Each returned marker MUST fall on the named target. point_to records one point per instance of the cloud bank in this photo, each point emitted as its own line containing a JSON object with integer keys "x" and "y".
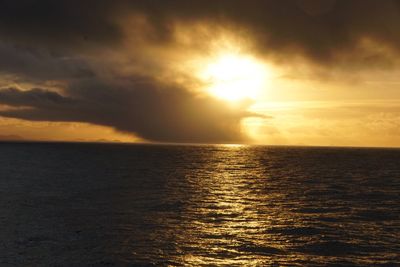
{"x": 153, "y": 112}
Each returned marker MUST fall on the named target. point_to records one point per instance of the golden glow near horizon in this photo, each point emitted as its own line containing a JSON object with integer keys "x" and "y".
{"x": 234, "y": 77}
{"x": 20, "y": 130}
{"x": 301, "y": 105}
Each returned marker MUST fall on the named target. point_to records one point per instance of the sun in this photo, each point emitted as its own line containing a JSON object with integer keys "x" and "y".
{"x": 235, "y": 77}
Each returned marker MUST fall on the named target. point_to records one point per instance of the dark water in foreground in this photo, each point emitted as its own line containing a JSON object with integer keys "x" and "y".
{"x": 137, "y": 205}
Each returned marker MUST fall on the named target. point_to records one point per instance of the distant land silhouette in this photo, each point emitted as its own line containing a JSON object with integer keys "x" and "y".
{"x": 11, "y": 138}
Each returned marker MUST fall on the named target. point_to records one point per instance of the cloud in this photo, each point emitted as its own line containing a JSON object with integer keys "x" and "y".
{"x": 59, "y": 23}
{"x": 154, "y": 112}
{"x": 319, "y": 30}
{"x": 40, "y": 64}
{"x": 323, "y": 31}
{"x": 81, "y": 45}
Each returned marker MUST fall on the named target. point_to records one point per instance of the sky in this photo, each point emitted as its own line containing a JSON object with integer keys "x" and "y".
{"x": 276, "y": 72}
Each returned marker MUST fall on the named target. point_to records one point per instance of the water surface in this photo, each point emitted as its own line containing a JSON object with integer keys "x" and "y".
{"x": 153, "y": 205}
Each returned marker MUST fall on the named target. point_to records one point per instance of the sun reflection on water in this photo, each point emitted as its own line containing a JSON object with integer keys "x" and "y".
{"x": 226, "y": 222}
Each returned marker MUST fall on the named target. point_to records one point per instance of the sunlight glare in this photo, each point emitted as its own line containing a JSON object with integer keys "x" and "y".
{"x": 234, "y": 77}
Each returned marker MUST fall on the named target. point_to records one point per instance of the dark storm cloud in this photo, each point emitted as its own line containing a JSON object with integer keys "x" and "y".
{"x": 318, "y": 29}
{"x": 34, "y": 97}
{"x": 152, "y": 112}
{"x": 40, "y": 64}
{"x": 64, "y": 23}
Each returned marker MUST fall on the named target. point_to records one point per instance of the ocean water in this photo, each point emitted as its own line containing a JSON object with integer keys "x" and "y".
{"x": 151, "y": 205}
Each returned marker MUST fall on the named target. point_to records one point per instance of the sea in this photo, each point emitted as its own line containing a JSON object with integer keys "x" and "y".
{"x": 82, "y": 204}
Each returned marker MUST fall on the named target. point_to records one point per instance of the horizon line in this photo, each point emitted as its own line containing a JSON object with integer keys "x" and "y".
{"x": 105, "y": 142}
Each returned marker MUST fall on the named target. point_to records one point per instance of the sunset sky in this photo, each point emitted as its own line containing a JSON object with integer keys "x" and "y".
{"x": 279, "y": 72}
